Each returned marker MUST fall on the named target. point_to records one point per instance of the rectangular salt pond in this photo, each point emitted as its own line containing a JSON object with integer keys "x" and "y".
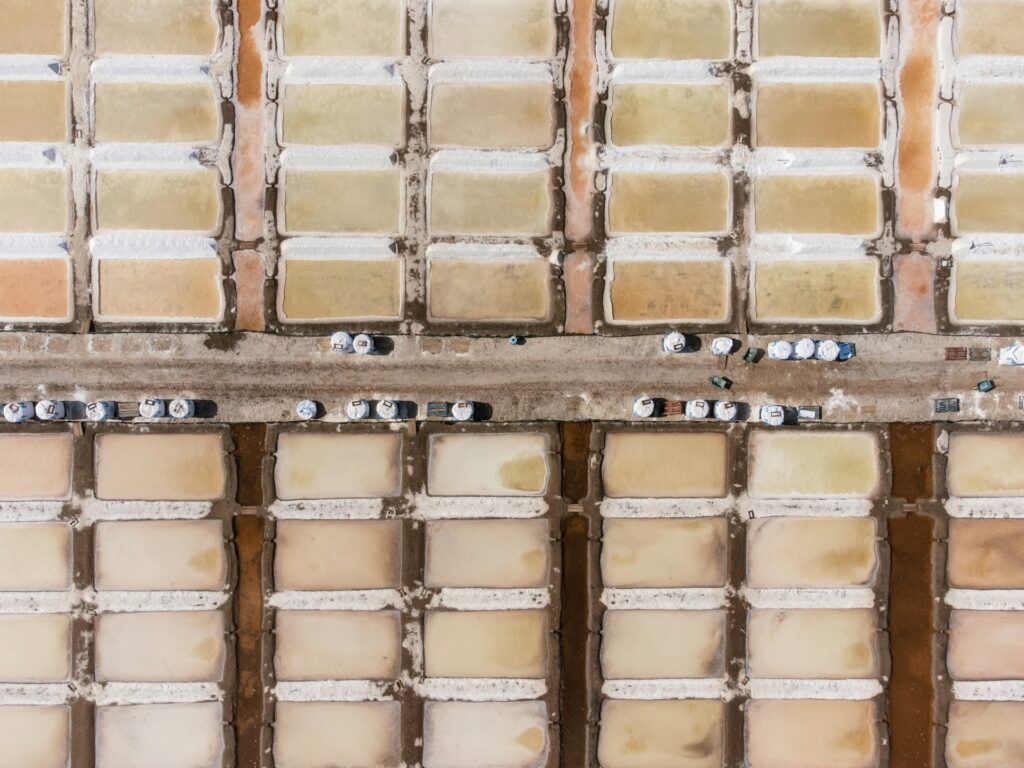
{"x": 314, "y": 465}
{"x": 990, "y": 28}
{"x": 852, "y": 28}
{"x": 34, "y": 110}
{"x": 646, "y": 645}
{"x": 459, "y": 734}
{"x": 832, "y": 115}
{"x": 160, "y": 735}
{"x": 810, "y": 734}
{"x": 829, "y": 290}
{"x": 984, "y": 202}
{"x": 498, "y": 202}
{"x": 160, "y": 289}
{"x": 160, "y": 555}
{"x": 497, "y": 290}
{"x": 491, "y": 28}
{"x": 337, "y": 554}
{"x": 35, "y": 557}
{"x": 985, "y": 464}
{"x": 184, "y": 466}
{"x": 986, "y": 645}
{"x": 158, "y": 199}
{"x": 813, "y": 464}
{"x": 34, "y": 736}
{"x": 986, "y": 291}
{"x": 991, "y": 114}
{"x": 351, "y": 202}
{"x": 985, "y": 734}
{"x": 343, "y": 28}
{"x": 33, "y": 200}
{"x": 485, "y": 644}
{"x": 337, "y": 645}
{"x": 344, "y": 113}
{"x": 671, "y": 29}
{"x": 985, "y": 554}
{"x": 657, "y": 291}
{"x": 492, "y": 115}
{"x": 35, "y": 27}
{"x": 183, "y": 27}
{"x": 513, "y": 464}
{"x": 667, "y": 734}
{"x": 667, "y": 553}
{"x": 665, "y": 465}
{"x": 496, "y": 554}
{"x": 35, "y": 466}
{"x": 160, "y": 647}
{"x": 47, "y": 296}
{"x": 320, "y": 733}
{"x": 793, "y": 552}
{"x": 666, "y": 203}
{"x": 671, "y": 114}
{"x": 156, "y": 112}
{"x": 812, "y": 644}
{"x": 847, "y": 204}
{"x": 318, "y": 290}
{"x": 35, "y": 648}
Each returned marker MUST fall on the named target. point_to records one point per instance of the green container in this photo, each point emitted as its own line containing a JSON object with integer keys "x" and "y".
{"x": 986, "y": 386}
{"x": 721, "y": 382}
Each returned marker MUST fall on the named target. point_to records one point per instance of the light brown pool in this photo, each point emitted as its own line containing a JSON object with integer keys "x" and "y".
{"x": 163, "y": 199}
{"x": 160, "y": 467}
{"x": 35, "y": 466}
{"x": 365, "y": 202}
{"x": 664, "y": 290}
{"x": 827, "y": 290}
{"x": 353, "y": 28}
{"x": 985, "y": 464}
{"x": 344, "y": 113}
{"x": 333, "y": 732}
{"x": 664, "y": 464}
{"x": 155, "y": 26}
{"x": 671, "y": 114}
{"x": 335, "y": 466}
{"x": 819, "y": 28}
{"x": 492, "y": 29}
{"x": 488, "y": 465}
{"x": 987, "y": 291}
{"x": 794, "y": 464}
{"x": 490, "y": 290}
{"x": 671, "y": 29}
{"x": 847, "y": 204}
{"x": 163, "y": 289}
{"x": 669, "y": 203}
{"x": 337, "y": 289}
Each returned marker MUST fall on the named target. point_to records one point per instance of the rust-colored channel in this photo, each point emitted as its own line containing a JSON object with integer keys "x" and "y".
{"x": 574, "y": 705}
{"x": 249, "y": 626}
{"x": 911, "y": 600}
{"x": 249, "y": 440}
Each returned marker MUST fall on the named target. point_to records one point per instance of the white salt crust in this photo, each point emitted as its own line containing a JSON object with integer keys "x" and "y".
{"x": 813, "y": 689}
{"x": 986, "y": 599}
{"x": 353, "y": 600}
{"x": 683, "y": 598}
{"x": 691, "y": 688}
{"x": 809, "y": 598}
{"x": 989, "y": 690}
{"x": 461, "y": 507}
{"x": 472, "y": 599}
{"x": 480, "y": 689}
{"x": 332, "y": 690}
